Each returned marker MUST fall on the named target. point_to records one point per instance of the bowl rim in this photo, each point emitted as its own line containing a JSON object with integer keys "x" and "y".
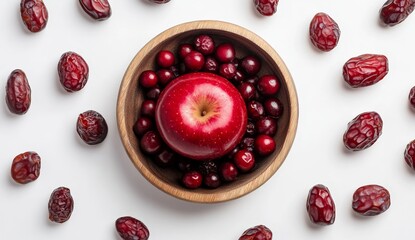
{"x": 213, "y": 197}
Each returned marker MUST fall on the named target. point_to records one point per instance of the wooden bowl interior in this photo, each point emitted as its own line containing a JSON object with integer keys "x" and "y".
{"x": 131, "y": 96}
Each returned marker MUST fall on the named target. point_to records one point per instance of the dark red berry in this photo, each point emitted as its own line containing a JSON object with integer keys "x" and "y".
{"x": 324, "y": 32}
{"x": 26, "y": 167}
{"x": 211, "y": 180}
{"x": 363, "y": 131}
{"x": 238, "y": 78}
{"x": 396, "y": 11}
{"x": 251, "y": 65}
{"x": 148, "y": 79}
{"x": 165, "y": 158}
{"x": 73, "y": 71}
{"x": 259, "y": 232}
{"x": 244, "y": 160}
{"x": 371, "y": 200}
{"x": 165, "y": 76}
{"x": 60, "y": 205}
{"x": 165, "y": 58}
{"x": 266, "y": 7}
{"x": 267, "y": 126}
{"x": 148, "y": 108}
{"x": 320, "y": 205}
{"x": 206, "y": 167}
{"x": 92, "y": 127}
{"x": 192, "y": 179}
{"x": 130, "y": 228}
{"x": 227, "y": 70}
{"x": 151, "y": 142}
{"x": 153, "y": 93}
{"x": 18, "y": 92}
{"x": 264, "y": 145}
{"x": 409, "y": 154}
{"x": 273, "y": 107}
{"x": 194, "y": 61}
{"x": 252, "y": 79}
{"x": 185, "y": 165}
{"x": 142, "y": 125}
{"x": 250, "y": 129}
{"x": 247, "y": 143}
{"x": 228, "y": 171}
{"x": 211, "y": 65}
{"x": 365, "y": 70}
{"x": 247, "y": 91}
{"x": 268, "y": 85}
{"x": 184, "y": 49}
{"x": 411, "y": 97}
{"x": 204, "y": 44}
{"x": 225, "y": 53}
{"x": 34, "y": 14}
{"x": 255, "y": 110}
{"x": 97, "y": 9}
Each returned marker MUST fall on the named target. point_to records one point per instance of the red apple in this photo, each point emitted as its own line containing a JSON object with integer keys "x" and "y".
{"x": 201, "y": 116}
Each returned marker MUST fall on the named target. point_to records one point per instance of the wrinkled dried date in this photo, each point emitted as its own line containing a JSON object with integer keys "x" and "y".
{"x": 266, "y": 7}
{"x": 324, "y": 32}
{"x": 259, "y": 232}
{"x": 92, "y": 127}
{"x": 34, "y": 14}
{"x": 409, "y": 154}
{"x": 363, "y": 131}
{"x": 97, "y": 9}
{"x": 18, "y": 92}
{"x": 395, "y": 11}
{"x": 371, "y": 200}
{"x": 365, "y": 70}
{"x": 26, "y": 167}
{"x": 60, "y": 205}
{"x": 130, "y": 228}
{"x": 320, "y": 205}
{"x": 73, "y": 71}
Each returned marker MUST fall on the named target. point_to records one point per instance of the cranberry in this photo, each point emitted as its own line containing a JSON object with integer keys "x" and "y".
{"x": 266, "y": 125}
{"x": 365, "y": 70}
{"x": 363, "y": 131}
{"x": 324, "y": 32}
{"x": 212, "y": 180}
{"x": 250, "y": 129}
{"x": 247, "y": 91}
{"x": 92, "y": 127}
{"x": 192, "y": 179}
{"x": 371, "y": 200}
{"x": 73, "y": 71}
{"x": 252, "y": 79}
{"x": 211, "y": 65}
{"x": 153, "y": 93}
{"x": 175, "y": 70}
{"x": 165, "y": 58}
{"x": 244, "y": 160}
{"x": 25, "y": 167}
{"x": 18, "y": 92}
{"x": 232, "y": 153}
{"x": 159, "y": 1}
{"x": 411, "y": 97}
{"x": 266, "y": 7}
{"x": 142, "y": 125}
{"x": 148, "y": 108}
{"x": 238, "y": 78}
{"x": 151, "y": 142}
{"x": 268, "y": 85}
{"x": 34, "y": 14}
{"x": 227, "y": 70}
{"x": 264, "y": 145}
{"x": 165, "y": 76}
{"x": 409, "y": 154}
{"x": 165, "y": 158}
{"x": 225, "y": 53}
{"x": 204, "y": 44}
{"x": 247, "y": 143}
{"x": 184, "y": 49}
{"x": 96, "y": 9}
{"x": 255, "y": 109}
{"x": 194, "y": 61}
{"x": 228, "y": 171}
{"x": 260, "y": 232}
{"x": 251, "y": 65}
{"x": 130, "y": 228}
{"x": 185, "y": 165}
{"x": 396, "y": 11}
{"x": 148, "y": 79}
{"x": 320, "y": 205}
{"x": 60, "y": 205}
{"x": 273, "y": 107}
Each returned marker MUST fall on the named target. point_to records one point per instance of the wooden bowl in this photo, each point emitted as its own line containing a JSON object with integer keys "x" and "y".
{"x": 130, "y": 97}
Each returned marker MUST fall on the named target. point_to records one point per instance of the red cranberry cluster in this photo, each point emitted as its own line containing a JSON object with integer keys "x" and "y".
{"x": 259, "y": 92}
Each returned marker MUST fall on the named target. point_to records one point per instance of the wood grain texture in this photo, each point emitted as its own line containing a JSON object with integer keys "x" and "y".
{"x": 130, "y": 97}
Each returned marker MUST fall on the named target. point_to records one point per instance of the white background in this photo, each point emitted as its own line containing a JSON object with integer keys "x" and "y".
{"x": 104, "y": 183}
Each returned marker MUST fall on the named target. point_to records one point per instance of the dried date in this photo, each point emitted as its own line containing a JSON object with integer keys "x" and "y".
{"x": 60, "y": 205}
{"x": 394, "y": 12}
{"x": 363, "y": 131}
{"x": 324, "y": 32}
{"x": 365, "y": 70}
{"x": 320, "y": 205}
{"x": 97, "y": 9}
{"x": 92, "y": 127}
{"x": 26, "y": 167}
{"x": 34, "y": 14}
{"x": 371, "y": 200}
{"x": 18, "y": 92}
{"x": 73, "y": 71}
{"x": 259, "y": 232}
{"x": 130, "y": 228}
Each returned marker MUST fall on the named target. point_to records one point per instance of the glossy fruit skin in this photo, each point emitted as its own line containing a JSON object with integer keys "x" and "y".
{"x": 371, "y": 200}
{"x": 73, "y": 71}
{"x": 264, "y": 145}
{"x": 18, "y": 92}
{"x": 151, "y": 142}
{"x": 142, "y": 125}
{"x": 247, "y": 91}
{"x": 192, "y": 179}
{"x": 411, "y": 97}
{"x": 91, "y": 127}
{"x": 34, "y": 14}
{"x": 165, "y": 59}
{"x": 363, "y": 131}
{"x": 207, "y": 105}
{"x": 26, "y": 167}
{"x": 365, "y": 70}
{"x": 194, "y": 61}
{"x": 244, "y": 160}
{"x": 266, "y": 125}
{"x": 268, "y": 85}
{"x": 273, "y": 107}
{"x": 148, "y": 79}
{"x": 324, "y": 32}
{"x": 227, "y": 70}
{"x": 394, "y": 12}
{"x": 251, "y": 65}
{"x": 60, "y": 205}
{"x": 225, "y": 52}
{"x": 228, "y": 171}
{"x": 212, "y": 180}
{"x": 97, "y": 9}
{"x": 130, "y": 228}
{"x": 320, "y": 205}
{"x": 409, "y": 154}
{"x": 266, "y": 7}
{"x": 259, "y": 232}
